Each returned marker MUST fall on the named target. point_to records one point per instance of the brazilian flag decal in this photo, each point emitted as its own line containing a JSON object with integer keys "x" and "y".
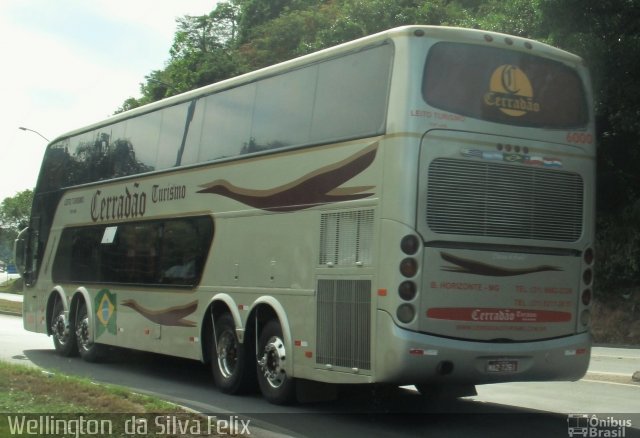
{"x": 106, "y": 311}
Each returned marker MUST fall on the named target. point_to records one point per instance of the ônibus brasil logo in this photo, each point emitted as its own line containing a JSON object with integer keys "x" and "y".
{"x": 592, "y": 426}
{"x": 511, "y": 92}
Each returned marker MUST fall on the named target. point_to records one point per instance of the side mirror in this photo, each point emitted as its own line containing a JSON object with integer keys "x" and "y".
{"x": 20, "y": 251}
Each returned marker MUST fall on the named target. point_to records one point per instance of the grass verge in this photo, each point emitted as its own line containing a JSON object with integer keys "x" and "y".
{"x": 616, "y": 321}
{"x": 11, "y": 307}
{"x": 51, "y": 402}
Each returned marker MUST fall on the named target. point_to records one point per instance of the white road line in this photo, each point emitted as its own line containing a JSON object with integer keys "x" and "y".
{"x": 615, "y": 356}
{"x": 611, "y": 383}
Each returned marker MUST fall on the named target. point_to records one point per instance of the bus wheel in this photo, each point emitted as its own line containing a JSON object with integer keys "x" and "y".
{"x": 88, "y": 350}
{"x": 275, "y": 385}
{"x": 63, "y": 339}
{"x": 230, "y": 369}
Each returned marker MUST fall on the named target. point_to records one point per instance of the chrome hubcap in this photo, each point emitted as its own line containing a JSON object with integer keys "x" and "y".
{"x": 227, "y": 354}
{"x": 60, "y": 328}
{"x": 82, "y": 333}
{"x": 272, "y": 362}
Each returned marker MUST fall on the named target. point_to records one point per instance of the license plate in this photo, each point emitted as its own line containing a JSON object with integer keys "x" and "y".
{"x": 502, "y": 366}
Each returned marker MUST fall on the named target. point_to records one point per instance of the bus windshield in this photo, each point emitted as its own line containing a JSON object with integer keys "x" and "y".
{"x": 504, "y": 86}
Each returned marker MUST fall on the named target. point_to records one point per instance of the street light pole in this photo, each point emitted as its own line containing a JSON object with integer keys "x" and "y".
{"x": 34, "y": 131}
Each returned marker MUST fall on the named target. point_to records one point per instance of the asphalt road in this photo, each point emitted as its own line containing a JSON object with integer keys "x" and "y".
{"x": 515, "y": 409}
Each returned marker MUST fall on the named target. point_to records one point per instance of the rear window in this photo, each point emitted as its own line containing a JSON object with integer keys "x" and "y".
{"x": 503, "y": 86}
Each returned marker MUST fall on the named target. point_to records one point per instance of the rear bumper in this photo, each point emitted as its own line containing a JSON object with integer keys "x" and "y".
{"x": 405, "y": 357}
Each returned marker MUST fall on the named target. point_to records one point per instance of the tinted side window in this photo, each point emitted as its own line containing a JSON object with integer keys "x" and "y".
{"x": 351, "y": 95}
{"x": 226, "y": 128}
{"x": 341, "y": 98}
{"x": 282, "y": 115}
{"x": 145, "y": 253}
{"x": 173, "y": 123}
{"x": 143, "y": 135}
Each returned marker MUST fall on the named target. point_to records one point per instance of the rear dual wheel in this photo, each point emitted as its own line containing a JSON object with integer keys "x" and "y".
{"x": 232, "y": 365}
{"x": 276, "y": 386}
{"x": 64, "y": 339}
{"x": 89, "y": 350}
{"x": 71, "y": 335}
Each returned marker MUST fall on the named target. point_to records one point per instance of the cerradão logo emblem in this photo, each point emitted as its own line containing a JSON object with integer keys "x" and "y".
{"x": 105, "y": 305}
{"x": 511, "y": 92}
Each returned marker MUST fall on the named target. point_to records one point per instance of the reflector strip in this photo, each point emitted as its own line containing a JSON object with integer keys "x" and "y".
{"x": 421, "y": 352}
{"x": 497, "y": 315}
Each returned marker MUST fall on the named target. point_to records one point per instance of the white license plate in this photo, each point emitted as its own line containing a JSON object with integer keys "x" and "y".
{"x": 502, "y": 366}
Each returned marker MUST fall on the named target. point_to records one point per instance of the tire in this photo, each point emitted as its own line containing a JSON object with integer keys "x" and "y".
{"x": 276, "y": 386}
{"x": 88, "y": 350}
{"x": 64, "y": 340}
{"x": 232, "y": 369}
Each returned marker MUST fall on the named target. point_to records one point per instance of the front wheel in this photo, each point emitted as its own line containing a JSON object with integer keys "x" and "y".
{"x": 64, "y": 340}
{"x": 276, "y": 386}
{"x": 89, "y": 351}
{"x": 233, "y": 371}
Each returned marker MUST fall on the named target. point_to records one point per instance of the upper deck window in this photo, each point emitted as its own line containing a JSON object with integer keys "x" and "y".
{"x": 335, "y": 99}
{"x": 504, "y": 86}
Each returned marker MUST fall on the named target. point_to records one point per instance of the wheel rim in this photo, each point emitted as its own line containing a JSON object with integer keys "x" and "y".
{"x": 227, "y": 354}
{"x": 272, "y": 362}
{"x": 82, "y": 332}
{"x": 60, "y": 328}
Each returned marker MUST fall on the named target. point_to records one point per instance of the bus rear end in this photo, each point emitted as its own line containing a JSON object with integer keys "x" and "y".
{"x": 502, "y": 281}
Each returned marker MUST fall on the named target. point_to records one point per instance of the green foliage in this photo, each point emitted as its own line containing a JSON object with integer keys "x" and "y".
{"x": 516, "y": 17}
{"x": 606, "y": 33}
{"x": 243, "y": 35}
{"x": 619, "y": 248}
{"x": 14, "y": 211}
{"x": 14, "y": 216}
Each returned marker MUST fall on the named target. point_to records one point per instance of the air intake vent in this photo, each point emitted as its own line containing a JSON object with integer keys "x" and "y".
{"x": 501, "y": 200}
{"x": 346, "y": 238}
{"x": 344, "y": 323}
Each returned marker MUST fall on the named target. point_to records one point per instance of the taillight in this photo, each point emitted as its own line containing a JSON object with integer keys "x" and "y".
{"x": 408, "y": 267}
{"x": 589, "y": 256}
{"x": 587, "y": 276}
{"x": 406, "y": 313}
{"x": 407, "y": 290}
{"x": 409, "y": 244}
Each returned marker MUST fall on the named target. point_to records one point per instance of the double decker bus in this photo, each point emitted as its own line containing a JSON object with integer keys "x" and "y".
{"x": 414, "y": 208}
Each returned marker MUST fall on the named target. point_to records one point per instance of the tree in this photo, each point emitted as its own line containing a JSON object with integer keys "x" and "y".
{"x": 201, "y": 54}
{"x": 15, "y": 211}
{"x": 606, "y": 33}
{"x": 14, "y": 216}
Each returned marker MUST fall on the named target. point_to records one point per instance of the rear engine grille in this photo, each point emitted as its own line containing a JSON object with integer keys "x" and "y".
{"x": 344, "y": 323}
{"x": 346, "y": 238}
{"x": 501, "y": 200}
